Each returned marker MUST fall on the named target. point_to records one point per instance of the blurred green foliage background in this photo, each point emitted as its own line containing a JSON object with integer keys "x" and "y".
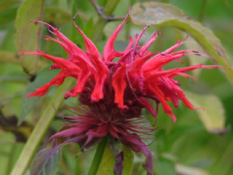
{"x": 199, "y": 143}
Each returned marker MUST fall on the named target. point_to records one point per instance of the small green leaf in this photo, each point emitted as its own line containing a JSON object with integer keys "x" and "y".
{"x": 28, "y": 33}
{"x": 107, "y": 163}
{"x": 45, "y": 162}
{"x": 128, "y": 160}
{"x": 162, "y": 14}
{"x": 28, "y": 104}
{"x": 212, "y": 115}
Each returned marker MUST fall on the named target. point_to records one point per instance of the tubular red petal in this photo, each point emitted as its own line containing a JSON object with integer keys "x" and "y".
{"x": 145, "y": 47}
{"x": 90, "y": 46}
{"x": 119, "y": 85}
{"x": 179, "y": 91}
{"x": 148, "y": 106}
{"x": 109, "y": 50}
{"x": 138, "y": 63}
{"x": 82, "y": 79}
{"x": 97, "y": 93}
{"x": 171, "y": 49}
{"x": 48, "y": 25}
{"x": 131, "y": 41}
{"x": 59, "y": 61}
{"x": 64, "y": 46}
{"x": 100, "y": 77}
{"x": 167, "y": 109}
{"x": 58, "y": 80}
{"x": 137, "y": 41}
{"x": 74, "y": 50}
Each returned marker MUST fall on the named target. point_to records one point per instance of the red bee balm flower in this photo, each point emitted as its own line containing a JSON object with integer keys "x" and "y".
{"x": 115, "y": 93}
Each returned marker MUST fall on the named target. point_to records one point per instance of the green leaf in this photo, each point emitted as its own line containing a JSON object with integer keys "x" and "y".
{"x": 40, "y": 129}
{"x": 28, "y": 104}
{"x": 212, "y": 115}
{"x": 28, "y": 33}
{"x": 162, "y": 14}
{"x": 107, "y": 163}
{"x": 128, "y": 160}
{"x": 45, "y": 162}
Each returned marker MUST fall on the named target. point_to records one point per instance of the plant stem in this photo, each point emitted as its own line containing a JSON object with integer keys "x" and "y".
{"x": 129, "y": 24}
{"x": 108, "y": 10}
{"x": 40, "y": 130}
{"x": 98, "y": 156}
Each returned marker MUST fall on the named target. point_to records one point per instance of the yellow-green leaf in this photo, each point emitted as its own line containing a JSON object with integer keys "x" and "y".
{"x": 128, "y": 160}
{"x": 107, "y": 163}
{"x": 162, "y": 14}
{"x": 212, "y": 115}
{"x": 28, "y": 33}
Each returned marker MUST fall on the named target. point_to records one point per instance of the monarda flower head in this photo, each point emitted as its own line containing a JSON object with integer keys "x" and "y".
{"x": 113, "y": 93}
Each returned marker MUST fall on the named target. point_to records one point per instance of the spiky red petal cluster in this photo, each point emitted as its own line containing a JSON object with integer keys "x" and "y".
{"x": 117, "y": 91}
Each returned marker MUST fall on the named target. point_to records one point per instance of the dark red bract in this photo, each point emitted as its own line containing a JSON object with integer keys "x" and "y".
{"x": 114, "y": 93}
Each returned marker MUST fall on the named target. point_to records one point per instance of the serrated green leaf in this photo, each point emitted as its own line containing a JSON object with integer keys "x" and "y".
{"x": 212, "y": 115}
{"x": 28, "y": 33}
{"x": 128, "y": 160}
{"x": 45, "y": 162}
{"x": 162, "y": 14}
{"x": 28, "y": 104}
